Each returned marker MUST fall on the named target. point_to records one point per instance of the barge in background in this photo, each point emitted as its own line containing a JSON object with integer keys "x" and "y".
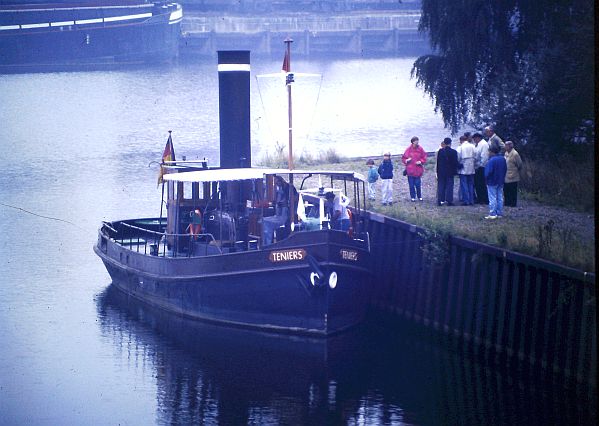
{"x": 83, "y": 35}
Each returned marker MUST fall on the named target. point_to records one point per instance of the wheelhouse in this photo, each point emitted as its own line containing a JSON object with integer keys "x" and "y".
{"x": 252, "y": 208}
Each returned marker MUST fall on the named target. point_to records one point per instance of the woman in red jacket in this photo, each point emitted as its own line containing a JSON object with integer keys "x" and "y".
{"x": 414, "y": 159}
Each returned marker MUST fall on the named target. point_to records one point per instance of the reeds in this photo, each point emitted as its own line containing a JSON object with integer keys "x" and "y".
{"x": 280, "y": 158}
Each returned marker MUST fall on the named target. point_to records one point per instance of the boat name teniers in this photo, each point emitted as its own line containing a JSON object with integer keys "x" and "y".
{"x": 287, "y": 255}
{"x": 349, "y": 255}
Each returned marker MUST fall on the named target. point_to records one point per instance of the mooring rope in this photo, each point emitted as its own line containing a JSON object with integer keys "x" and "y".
{"x": 40, "y": 215}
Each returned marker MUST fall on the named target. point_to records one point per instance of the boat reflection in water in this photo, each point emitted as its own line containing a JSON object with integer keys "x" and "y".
{"x": 372, "y": 374}
{"x": 206, "y": 372}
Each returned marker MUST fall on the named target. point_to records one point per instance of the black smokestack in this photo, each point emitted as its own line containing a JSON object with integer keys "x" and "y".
{"x": 234, "y": 108}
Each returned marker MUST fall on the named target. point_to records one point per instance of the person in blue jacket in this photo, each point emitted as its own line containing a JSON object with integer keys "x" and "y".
{"x": 373, "y": 176}
{"x": 386, "y": 174}
{"x": 495, "y": 172}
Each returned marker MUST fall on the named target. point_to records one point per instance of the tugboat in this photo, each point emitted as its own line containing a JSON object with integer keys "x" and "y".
{"x": 38, "y": 35}
{"x": 244, "y": 246}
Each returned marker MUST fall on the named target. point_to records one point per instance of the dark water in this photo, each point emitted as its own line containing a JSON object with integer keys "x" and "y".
{"x": 76, "y": 149}
{"x": 375, "y": 374}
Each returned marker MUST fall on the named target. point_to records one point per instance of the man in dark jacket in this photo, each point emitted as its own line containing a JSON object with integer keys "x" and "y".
{"x": 447, "y": 168}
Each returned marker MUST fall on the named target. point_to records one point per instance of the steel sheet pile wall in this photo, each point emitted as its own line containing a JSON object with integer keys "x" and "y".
{"x": 507, "y": 306}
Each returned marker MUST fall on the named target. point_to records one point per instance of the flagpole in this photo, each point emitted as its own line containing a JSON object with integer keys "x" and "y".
{"x": 169, "y": 152}
{"x": 161, "y": 203}
{"x": 288, "y": 81}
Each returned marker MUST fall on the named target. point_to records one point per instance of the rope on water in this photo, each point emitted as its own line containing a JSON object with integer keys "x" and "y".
{"x": 40, "y": 215}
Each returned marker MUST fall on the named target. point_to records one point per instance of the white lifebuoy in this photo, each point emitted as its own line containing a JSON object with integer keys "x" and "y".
{"x": 333, "y": 280}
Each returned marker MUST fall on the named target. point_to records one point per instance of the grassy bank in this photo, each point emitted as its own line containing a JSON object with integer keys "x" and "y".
{"x": 567, "y": 181}
{"x": 538, "y": 226}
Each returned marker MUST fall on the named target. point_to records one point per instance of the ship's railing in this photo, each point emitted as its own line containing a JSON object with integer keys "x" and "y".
{"x": 156, "y": 243}
{"x": 161, "y": 244}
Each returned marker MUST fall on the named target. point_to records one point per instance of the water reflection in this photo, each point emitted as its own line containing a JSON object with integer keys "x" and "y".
{"x": 207, "y": 374}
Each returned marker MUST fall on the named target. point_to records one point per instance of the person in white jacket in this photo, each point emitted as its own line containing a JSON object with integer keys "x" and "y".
{"x": 466, "y": 170}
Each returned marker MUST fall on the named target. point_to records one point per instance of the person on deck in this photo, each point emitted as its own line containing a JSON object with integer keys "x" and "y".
{"x": 338, "y": 211}
{"x": 195, "y": 225}
{"x": 447, "y": 168}
{"x": 281, "y": 216}
{"x": 414, "y": 158}
{"x": 386, "y": 173}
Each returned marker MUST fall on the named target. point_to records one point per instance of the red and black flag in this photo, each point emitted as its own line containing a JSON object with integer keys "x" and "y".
{"x": 286, "y": 66}
{"x": 167, "y": 155}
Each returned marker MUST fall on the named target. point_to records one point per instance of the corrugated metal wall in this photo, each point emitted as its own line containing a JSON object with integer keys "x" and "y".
{"x": 509, "y": 307}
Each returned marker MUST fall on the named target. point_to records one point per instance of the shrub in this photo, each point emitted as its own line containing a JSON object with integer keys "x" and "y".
{"x": 331, "y": 156}
{"x": 565, "y": 181}
{"x": 278, "y": 158}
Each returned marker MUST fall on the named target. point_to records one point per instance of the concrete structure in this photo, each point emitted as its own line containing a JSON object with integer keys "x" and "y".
{"x": 349, "y": 34}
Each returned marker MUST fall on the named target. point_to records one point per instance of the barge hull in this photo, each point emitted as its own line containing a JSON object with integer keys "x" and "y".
{"x": 56, "y": 41}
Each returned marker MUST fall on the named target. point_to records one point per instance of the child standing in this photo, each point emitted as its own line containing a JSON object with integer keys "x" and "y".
{"x": 386, "y": 173}
{"x": 373, "y": 176}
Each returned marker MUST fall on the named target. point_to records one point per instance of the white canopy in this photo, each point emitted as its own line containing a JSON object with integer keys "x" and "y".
{"x": 222, "y": 175}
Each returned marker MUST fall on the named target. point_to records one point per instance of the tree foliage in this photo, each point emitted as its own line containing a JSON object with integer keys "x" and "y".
{"x": 526, "y": 66}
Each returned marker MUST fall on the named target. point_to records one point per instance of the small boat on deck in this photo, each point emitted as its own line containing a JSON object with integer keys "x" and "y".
{"x": 282, "y": 250}
{"x": 248, "y": 265}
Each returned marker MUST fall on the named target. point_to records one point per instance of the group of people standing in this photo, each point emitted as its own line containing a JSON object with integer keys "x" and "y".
{"x": 488, "y": 171}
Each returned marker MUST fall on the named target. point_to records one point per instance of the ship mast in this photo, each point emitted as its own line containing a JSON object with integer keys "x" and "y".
{"x": 288, "y": 81}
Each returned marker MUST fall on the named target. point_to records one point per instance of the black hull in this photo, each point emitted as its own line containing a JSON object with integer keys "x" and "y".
{"x": 154, "y": 37}
{"x": 247, "y": 289}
